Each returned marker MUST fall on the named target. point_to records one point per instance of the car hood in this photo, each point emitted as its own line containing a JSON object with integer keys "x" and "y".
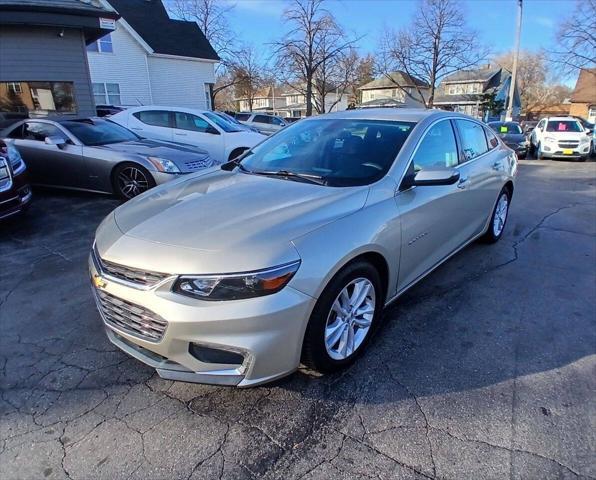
{"x": 247, "y": 138}
{"x": 225, "y": 221}
{"x": 156, "y": 148}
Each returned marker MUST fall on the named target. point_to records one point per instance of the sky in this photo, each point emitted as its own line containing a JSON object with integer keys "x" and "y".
{"x": 259, "y": 21}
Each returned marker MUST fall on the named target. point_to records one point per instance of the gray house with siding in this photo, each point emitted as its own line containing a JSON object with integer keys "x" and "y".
{"x": 43, "y": 59}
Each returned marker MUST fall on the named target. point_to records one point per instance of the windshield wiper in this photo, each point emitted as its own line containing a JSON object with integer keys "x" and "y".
{"x": 316, "y": 179}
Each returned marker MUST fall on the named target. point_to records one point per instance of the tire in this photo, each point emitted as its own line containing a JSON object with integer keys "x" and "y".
{"x": 532, "y": 148}
{"x": 497, "y": 223}
{"x": 124, "y": 174}
{"x": 539, "y": 154}
{"x": 316, "y": 353}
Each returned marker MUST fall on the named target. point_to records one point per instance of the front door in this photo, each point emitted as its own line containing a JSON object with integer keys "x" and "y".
{"x": 433, "y": 218}
{"x": 194, "y": 130}
{"x": 62, "y": 166}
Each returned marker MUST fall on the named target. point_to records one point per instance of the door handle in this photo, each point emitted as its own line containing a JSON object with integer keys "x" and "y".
{"x": 463, "y": 182}
{"x": 136, "y": 128}
{"x": 180, "y": 134}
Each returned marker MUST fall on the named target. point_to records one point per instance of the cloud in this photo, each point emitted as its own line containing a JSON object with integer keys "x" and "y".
{"x": 265, "y": 7}
{"x": 544, "y": 21}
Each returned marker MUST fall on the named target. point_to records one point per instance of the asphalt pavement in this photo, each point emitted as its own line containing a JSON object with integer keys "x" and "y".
{"x": 484, "y": 370}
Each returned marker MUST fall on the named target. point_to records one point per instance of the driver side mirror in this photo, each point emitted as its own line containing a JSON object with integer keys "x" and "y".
{"x": 57, "y": 141}
{"x": 431, "y": 177}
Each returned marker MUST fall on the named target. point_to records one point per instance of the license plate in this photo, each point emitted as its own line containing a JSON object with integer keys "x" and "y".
{"x": 567, "y": 152}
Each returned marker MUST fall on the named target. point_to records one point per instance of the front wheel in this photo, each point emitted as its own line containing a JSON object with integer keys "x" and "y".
{"x": 498, "y": 218}
{"x": 130, "y": 180}
{"x": 342, "y": 322}
{"x": 539, "y": 154}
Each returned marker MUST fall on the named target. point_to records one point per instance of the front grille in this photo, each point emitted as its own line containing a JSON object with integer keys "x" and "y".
{"x": 131, "y": 318}
{"x": 568, "y": 144}
{"x": 5, "y": 178}
{"x": 196, "y": 164}
{"x": 144, "y": 278}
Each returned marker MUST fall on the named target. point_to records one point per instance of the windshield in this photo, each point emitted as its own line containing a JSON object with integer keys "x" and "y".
{"x": 225, "y": 125}
{"x": 342, "y": 152}
{"x": 506, "y": 128}
{"x": 564, "y": 126}
{"x": 99, "y": 132}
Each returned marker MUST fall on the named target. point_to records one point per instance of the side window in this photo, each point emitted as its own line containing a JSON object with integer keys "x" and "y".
{"x": 17, "y": 133}
{"x": 262, "y": 119}
{"x": 276, "y": 121}
{"x": 188, "y": 121}
{"x": 437, "y": 148}
{"x": 39, "y": 131}
{"x": 242, "y": 117}
{"x": 492, "y": 139}
{"x": 472, "y": 138}
{"x": 541, "y": 124}
{"x": 157, "y": 118}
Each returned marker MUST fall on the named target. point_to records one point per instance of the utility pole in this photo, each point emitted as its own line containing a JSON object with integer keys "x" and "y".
{"x": 509, "y": 114}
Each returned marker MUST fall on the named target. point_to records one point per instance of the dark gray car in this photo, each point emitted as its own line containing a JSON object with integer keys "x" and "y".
{"x": 512, "y": 134}
{"x": 99, "y": 155}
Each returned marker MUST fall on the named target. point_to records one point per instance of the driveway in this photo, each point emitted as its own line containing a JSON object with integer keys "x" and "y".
{"x": 486, "y": 369}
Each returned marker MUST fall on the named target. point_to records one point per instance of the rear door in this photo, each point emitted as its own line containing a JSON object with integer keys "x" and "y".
{"x": 154, "y": 124}
{"x": 263, "y": 123}
{"x": 433, "y": 218}
{"x": 482, "y": 166}
{"x": 62, "y": 166}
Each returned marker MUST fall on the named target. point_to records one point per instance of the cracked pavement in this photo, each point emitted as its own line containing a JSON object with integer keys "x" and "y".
{"x": 485, "y": 369}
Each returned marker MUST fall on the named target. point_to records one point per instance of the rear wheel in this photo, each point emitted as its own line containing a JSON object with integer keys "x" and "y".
{"x": 342, "y": 322}
{"x": 539, "y": 154}
{"x": 130, "y": 180}
{"x": 498, "y": 218}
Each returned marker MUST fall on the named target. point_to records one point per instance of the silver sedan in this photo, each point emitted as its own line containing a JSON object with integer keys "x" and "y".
{"x": 290, "y": 253}
{"x": 99, "y": 155}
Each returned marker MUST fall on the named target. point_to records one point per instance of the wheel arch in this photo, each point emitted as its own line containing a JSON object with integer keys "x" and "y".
{"x": 121, "y": 163}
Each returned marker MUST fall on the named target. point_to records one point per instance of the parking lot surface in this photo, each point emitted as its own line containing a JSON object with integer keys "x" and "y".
{"x": 486, "y": 369}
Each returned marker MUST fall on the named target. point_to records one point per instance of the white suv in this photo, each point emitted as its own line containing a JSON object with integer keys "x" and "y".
{"x": 263, "y": 122}
{"x": 560, "y": 137}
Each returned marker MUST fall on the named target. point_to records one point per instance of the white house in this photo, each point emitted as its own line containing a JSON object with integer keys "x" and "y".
{"x": 268, "y": 99}
{"x": 295, "y": 102}
{"x": 151, "y": 59}
{"x": 397, "y": 89}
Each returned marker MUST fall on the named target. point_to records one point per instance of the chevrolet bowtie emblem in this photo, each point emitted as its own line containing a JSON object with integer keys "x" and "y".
{"x": 99, "y": 282}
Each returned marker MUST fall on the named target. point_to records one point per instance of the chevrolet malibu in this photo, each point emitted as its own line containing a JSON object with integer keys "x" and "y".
{"x": 288, "y": 254}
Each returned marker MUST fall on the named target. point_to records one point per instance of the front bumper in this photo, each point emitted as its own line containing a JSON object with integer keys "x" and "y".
{"x": 520, "y": 150}
{"x": 266, "y": 331}
{"x": 16, "y": 198}
{"x": 582, "y": 150}
{"x": 161, "y": 177}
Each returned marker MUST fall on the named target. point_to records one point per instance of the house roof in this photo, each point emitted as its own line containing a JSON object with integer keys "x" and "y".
{"x": 390, "y": 81}
{"x": 585, "y": 88}
{"x": 80, "y": 7}
{"x": 164, "y": 35}
{"x": 477, "y": 75}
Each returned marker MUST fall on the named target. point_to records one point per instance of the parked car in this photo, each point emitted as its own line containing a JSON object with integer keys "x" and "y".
{"x": 264, "y": 123}
{"x": 560, "y": 137}
{"x": 290, "y": 253}
{"x": 528, "y": 125}
{"x": 15, "y": 193}
{"x": 108, "y": 110}
{"x": 588, "y": 126}
{"x": 223, "y": 140}
{"x": 513, "y": 136}
{"x": 231, "y": 119}
{"x": 99, "y": 155}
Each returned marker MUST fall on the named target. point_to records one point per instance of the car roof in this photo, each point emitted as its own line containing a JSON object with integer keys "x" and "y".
{"x": 396, "y": 114}
{"x": 562, "y": 118}
{"x": 166, "y": 108}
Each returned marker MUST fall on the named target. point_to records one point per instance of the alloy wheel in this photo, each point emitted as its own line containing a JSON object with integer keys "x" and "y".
{"x": 132, "y": 182}
{"x": 501, "y": 212}
{"x": 350, "y": 318}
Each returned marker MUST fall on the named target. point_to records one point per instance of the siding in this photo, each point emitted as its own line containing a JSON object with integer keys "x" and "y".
{"x": 180, "y": 83}
{"x": 39, "y": 54}
{"x": 126, "y": 66}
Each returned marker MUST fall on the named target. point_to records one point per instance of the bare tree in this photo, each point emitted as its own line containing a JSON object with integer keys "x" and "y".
{"x": 576, "y": 39}
{"x": 437, "y": 43}
{"x": 313, "y": 41}
{"x": 212, "y": 18}
{"x": 248, "y": 73}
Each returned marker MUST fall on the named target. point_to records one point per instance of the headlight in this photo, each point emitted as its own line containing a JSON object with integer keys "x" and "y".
{"x": 164, "y": 165}
{"x": 584, "y": 139}
{"x": 550, "y": 139}
{"x": 236, "y": 286}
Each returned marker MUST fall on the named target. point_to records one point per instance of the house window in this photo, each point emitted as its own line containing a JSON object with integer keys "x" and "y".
{"x": 592, "y": 113}
{"x": 103, "y": 45}
{"x": 208, "y": 96}
{"x": 15, "y": 88}
{"x": 42, "y": 98}
{"x": 106, "y": 94}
